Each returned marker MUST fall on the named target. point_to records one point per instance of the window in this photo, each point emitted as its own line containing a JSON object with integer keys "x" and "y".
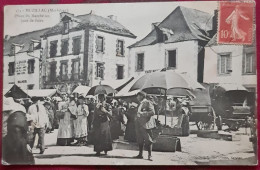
{"x": 64, "y": 47}
{"x": 249, "y": 63}
{"x": 64, "y": 70}
{"x": 31, "y": 66}
{"x": 100, "y": 44}
{"x": 12, "y": 52}
{"x": 30, "y": 86}
{"x": 140, "y": 62}
{"x": 100, "y": 70}
{"x": 172, "y": 58}
{"x": 120, "y": 48}
{"x": 120, "y": 72}
{"x": 53, "y": 48}
{"x": 165, "y": 37}
{"x": 52, "y": 71}
{"x": 66, "y": 27}
{"x": 76, "y": 46}
{"x": 75, "y": 70}
{"x": 224, "y": 64}
{"x": 11, "y": 69}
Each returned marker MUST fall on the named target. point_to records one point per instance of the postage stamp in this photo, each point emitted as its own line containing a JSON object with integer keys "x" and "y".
{"x": 235, "y": 22}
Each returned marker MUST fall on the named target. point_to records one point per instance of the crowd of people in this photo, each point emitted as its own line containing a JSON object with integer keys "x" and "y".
{"x": 84, "y": 120}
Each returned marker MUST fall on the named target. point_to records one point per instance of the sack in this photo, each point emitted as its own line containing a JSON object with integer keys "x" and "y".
{"x": 59, "y": 114}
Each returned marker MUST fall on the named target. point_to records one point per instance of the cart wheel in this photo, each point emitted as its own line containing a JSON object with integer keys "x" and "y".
{"x": 219, "y": 122}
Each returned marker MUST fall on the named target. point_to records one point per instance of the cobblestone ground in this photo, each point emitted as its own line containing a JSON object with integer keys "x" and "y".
{"x": 195, "y": 151}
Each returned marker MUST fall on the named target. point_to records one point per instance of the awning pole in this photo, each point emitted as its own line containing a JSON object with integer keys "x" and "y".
{"x": 158, "y": 105}
{"x": 165, "y": 106}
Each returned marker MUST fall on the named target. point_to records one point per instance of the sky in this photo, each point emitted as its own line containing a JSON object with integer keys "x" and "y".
{"x": 137, "y": 17}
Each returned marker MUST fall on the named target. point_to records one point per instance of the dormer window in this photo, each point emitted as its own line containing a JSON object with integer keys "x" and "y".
{"x": 31, "y": 48}
{"x": 165, "y": 37}
{"x": 12, "y": 51}
{"x": 66, "y": 27}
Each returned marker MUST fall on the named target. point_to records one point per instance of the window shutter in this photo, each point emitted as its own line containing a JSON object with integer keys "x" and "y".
{"x": 72, "y": 70}
{"x": 123, "y": 48}
{"x": 61, "y": 70}
{"x": 103, "y": 45}
{"x": 243, "y": 63}
{"x": 66, "y": 71}
{"x": 117, "y": 47}
{"x": 33, "y": 61}
{"x": 229, "y": 62}
{"x": 248, "y": 63}
{"x": 218, "y": 64}
{"x": 9, "y": 69}
{"x": 254, "y": 62}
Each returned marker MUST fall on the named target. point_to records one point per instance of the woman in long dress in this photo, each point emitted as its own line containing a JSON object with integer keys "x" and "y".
{"x": 117, "y": 120}
{"x": 66, "y": 128}
{"x": 81, "y": 126}
{"x": 130, "y": 134}
{"x": 101, "y": 129}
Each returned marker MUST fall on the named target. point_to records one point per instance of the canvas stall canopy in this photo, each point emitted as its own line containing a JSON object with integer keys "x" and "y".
{"x": 81, "y": 90}
{"x": 42, "y": 92}
{"x": 15, "y": 92}
{"x": 116, "y": 84}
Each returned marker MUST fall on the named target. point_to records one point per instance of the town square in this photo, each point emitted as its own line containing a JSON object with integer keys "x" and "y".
{"x": 156, "y": 83}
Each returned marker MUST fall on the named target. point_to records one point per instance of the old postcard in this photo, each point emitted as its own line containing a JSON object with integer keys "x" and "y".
{"x": 156, "y": 83}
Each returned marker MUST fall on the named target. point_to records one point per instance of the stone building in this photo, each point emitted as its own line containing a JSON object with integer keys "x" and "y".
{"x": 234, "y": 64}
{"x": 175, "y": 43}
{"x": 84, "y": 50}
{"x": 22, "y": 60}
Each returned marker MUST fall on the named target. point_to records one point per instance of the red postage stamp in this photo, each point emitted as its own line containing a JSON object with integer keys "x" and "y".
{"x": 235, "y": 22}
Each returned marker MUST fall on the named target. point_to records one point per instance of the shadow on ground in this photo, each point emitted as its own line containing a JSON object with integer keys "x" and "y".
{"x": 51, "y": 156}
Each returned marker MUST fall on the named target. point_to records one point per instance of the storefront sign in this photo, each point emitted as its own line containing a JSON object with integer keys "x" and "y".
{"x": 22, "y": 81}
{"x": 150, "y": 71}
{"x": 21, "y": 67}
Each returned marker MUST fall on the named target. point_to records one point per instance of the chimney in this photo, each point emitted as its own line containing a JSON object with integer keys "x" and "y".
{"x": 215, "y": 21}
{"x": 7, "y": 37}
{"x": 113, "y": 17}
{"x": 62, "y": 14}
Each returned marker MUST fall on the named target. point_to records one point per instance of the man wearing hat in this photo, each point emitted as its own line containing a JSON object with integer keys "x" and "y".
{"x": 144, "y": 125}
{"x": 39, "y": 122}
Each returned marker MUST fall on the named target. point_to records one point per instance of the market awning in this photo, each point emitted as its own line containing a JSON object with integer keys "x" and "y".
{"x": 116, "y": 84}
{"x": 230, "y": 86}
{"x": 124, "y": 92}
{"x": 42, "y": 92}
{"x": 15, "y": 92}
{"x": 81, "y": 90}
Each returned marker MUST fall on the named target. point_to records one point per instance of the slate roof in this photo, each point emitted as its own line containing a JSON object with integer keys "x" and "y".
{"x": 186, "y": 24}
{"x": 95, "y": 22}
{"x": 23, "y": 39}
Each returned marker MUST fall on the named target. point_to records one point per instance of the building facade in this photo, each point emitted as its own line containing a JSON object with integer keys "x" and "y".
{"x": 22, "y": 60}
{"x": 84, "y": 50}
{"x": 175, "y": 43}
{"x": 230, "y": 64}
